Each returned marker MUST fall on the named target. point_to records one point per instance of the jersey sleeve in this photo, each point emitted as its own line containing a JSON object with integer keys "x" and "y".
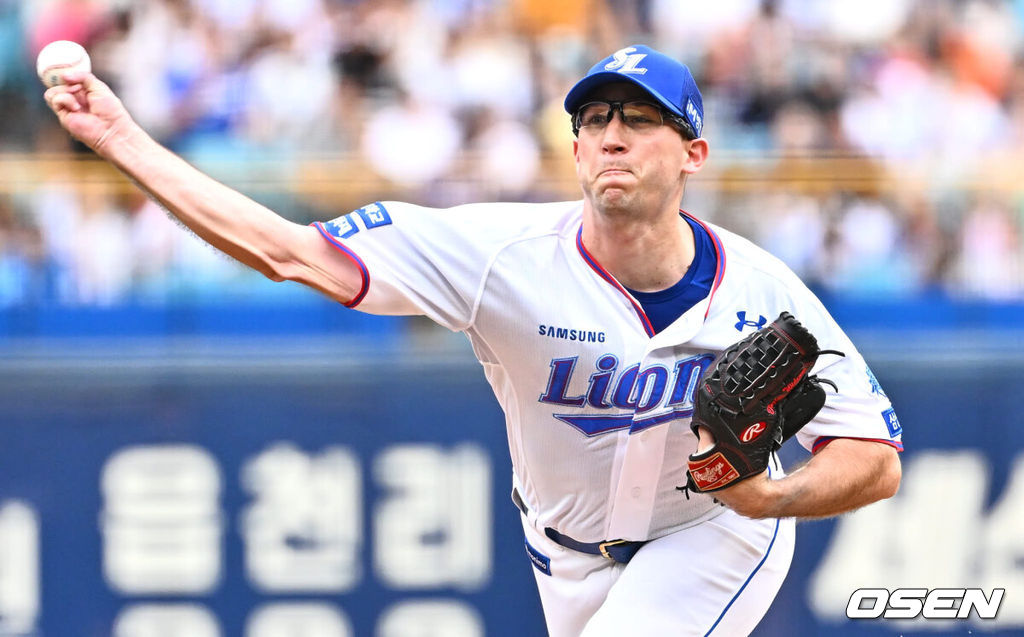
{"x": 416, "y": 260}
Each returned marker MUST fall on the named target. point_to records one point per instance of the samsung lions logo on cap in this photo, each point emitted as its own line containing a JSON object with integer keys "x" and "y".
{"x": 625, "y": 61}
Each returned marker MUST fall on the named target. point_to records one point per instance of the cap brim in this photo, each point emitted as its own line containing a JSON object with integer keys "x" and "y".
{"x": 578, "y": 93}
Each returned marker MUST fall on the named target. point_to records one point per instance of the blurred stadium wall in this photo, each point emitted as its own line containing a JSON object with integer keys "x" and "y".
{"x": 189, "y": 449}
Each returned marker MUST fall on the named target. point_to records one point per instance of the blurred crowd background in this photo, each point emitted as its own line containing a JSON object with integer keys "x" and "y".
{"x": 877, "y": 146}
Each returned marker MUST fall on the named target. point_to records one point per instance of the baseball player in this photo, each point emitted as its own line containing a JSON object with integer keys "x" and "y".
{"x": 594, "y": 321}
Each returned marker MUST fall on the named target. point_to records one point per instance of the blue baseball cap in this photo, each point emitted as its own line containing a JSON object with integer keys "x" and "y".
{"x": 666, "y": 79}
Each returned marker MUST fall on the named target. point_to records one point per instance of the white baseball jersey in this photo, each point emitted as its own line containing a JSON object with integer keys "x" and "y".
{"x": 597, "y": 406}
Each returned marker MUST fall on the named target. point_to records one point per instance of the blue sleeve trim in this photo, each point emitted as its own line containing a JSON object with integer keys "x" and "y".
{"x": 363, "y": 272}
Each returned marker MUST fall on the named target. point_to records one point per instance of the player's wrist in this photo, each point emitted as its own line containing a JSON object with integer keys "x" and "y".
{"x": 705, "y": 440}
{"x": 773, "y": 498}
{"x": 126, "y": 145}
{"x": 121, "y": 136}
{"x": 750, "y": 497}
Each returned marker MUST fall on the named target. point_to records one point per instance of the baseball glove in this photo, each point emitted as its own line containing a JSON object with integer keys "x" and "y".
{"x": 755, "y": 396}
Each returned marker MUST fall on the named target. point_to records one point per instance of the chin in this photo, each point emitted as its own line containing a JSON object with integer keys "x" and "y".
{"x": 615, "y": 199}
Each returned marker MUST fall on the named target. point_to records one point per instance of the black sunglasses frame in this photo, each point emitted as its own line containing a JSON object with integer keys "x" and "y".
{"x": 667, "y": 116}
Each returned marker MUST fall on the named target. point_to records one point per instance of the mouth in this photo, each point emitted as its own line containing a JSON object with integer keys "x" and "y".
{"x": 614, "y": 171}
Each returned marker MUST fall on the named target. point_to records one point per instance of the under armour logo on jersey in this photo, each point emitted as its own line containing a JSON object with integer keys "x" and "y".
{"x": 743, "y": 322}
{"x": 625, "y": 61}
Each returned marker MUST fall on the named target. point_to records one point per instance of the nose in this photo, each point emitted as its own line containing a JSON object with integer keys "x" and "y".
{"x": 614, "y": 140}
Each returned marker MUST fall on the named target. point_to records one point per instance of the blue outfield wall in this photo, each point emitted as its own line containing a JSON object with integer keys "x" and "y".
{"x": 325, "y": 496}
{"x": 319, "y": 491}
{"x": 295, "y": 310}
{"x": 298, "y": 313}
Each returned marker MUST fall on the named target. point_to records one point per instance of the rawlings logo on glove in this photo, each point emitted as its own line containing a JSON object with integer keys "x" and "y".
{"x": 713, "y": 473}
{"x": 755, "y": 396}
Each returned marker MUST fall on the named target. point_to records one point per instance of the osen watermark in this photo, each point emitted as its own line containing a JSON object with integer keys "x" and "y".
{"x": 937, "y": 603}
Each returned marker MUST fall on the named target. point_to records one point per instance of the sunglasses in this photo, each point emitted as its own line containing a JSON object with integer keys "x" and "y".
{"x": 637, "y": 115}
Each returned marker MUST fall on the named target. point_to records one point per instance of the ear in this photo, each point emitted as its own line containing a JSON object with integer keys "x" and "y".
{"x": 696, "y": 155}
{"x": 576, "y": 150}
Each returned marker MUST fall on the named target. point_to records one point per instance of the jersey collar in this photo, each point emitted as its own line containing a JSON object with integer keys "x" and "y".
{"x": 646, "y": 322}
{"x": 719, "y": 258}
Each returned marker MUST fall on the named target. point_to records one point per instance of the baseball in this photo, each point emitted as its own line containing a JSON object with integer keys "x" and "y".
{"x": 57, "y": 58}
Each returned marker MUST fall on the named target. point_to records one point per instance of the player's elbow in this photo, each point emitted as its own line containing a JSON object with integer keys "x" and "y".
{"x": 273, "y": 268}
{"x": 276, "y": 273}
{"x": 285, "y": 258}
{"x": 273, "y": 259}
{"x": 890, "y": 474}
{"x": 317, "y": 277}
{"x": 286, "y": 270}
{"x": 301, "y": 255}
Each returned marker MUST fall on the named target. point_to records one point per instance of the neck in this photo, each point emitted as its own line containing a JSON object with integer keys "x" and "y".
{"x": 646, "y": 255}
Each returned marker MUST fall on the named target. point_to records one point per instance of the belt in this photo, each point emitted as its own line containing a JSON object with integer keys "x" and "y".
{"x": 621, "y": 551}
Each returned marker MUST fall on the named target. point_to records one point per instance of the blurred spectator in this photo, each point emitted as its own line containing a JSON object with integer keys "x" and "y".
{"x": 56, "y": 211}
{"x": 867, "y": 256}
{"x": 490, "y": 68}
{"x": 168, "y": 46}
{"x": 863, "y": 21}
{"x": 289, "y": 93}
{"x": 990, "y": 252}
{"x": 792, "y": 227}
{"x": 799, "y": 128}
{"x": 459, "y": 100}
{"x": 928, "y": 244}
{"x": 153, "y": 242}
{"x": 12, "y": 58}
{"x": 16, "y": 73}
{"x": 80, "y": 21}
{"x": 767, "y": 45}
{"x": 13, "y": 269}
{"x": 507, "y": 156}
{"x": 100, "y": 251}
{"x": 411, "y": 143}
{"x": 980, "y": 47}
{"x": 688, "y": 34}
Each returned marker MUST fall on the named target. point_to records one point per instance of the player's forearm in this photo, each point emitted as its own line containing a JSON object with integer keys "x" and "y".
{"x": 224, "y": 218}
{"x": 845, "y": 475}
